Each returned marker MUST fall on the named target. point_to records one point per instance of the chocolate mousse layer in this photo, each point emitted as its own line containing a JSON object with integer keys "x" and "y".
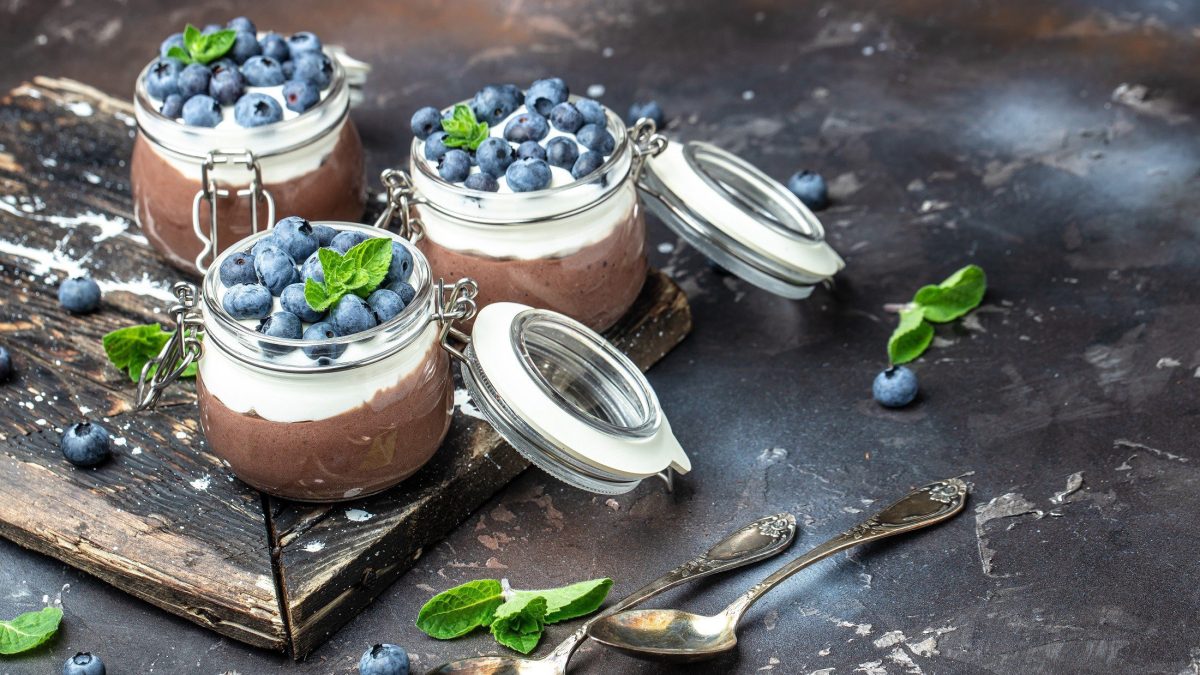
{"x": 162, "y": 198}
{"x": 355, "y": 453}
{"x": 594, "y": 285}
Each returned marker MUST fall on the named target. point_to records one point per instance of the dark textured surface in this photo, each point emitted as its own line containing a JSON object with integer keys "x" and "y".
{"x": 986, "y": 131}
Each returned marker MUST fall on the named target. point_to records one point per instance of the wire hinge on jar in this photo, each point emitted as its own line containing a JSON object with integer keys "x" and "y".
{"x": 453, "y": 305}
{"x": 401, "y": 196}
{"x": 647, "y": 143}
{"x": 211, "y": 192}
{"x": 180, "y": 352}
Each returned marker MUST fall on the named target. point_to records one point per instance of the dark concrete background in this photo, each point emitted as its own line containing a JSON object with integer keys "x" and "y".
{"x": 985, "y": 131}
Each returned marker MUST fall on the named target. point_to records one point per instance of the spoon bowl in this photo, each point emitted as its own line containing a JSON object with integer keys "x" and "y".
{"x": 666, "y": 634}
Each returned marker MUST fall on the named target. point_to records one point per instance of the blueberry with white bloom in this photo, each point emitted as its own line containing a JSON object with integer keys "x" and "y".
{"x": 85, "y": 444}
{"x": 212, "y": 28}
{"x": 276, "y": 269}
{"x": 193, "y": 79}
{"x": 425, "y": 121}
{"x": 323, "y": 233}
{"x": 531, "y": 150}
{"x": 895, "y": 387}
{"x": 292, "y": 299}
{"x": 313, "y": 67}
{"x": 404, "y": 290}
{"x": 385, "y": 304}
{"x": 322, "y": 331}
{"x": 283, "y": 325}
{"x": 238, "y": 268}
{"x": 303, "y": 42}
{"x": 435, "y": 146}
{"x": 596, "y": 137}
{"x": 222, "y": 64}
{"x": 311, "y": 269}
{"x": 454, "y": 166}
{"x": 6, "y": 367}
{"x": 201, "y": 111}
{"x": 79, "y": 295}
{"x": 174, "y": 40}
{"x": 241, "y": 23}
{"x": 226, "y": 85}
{"x": 245, "y": 45}
{"x": 296, "y": 236}
{"x": 649, "y": 110}
{"x": 566, "y": 117}
{"x": 384, "y": 660}
{"x": 494, "y": 155}
{"x": 83, "y": 663}
{"x": 401, "y": 266}
{"x": 484, "y": 182}
{"x": 172, "y": 106}
{"x": 266, "y": 242}
{"x": 247, "y": 301}
{"x": 528, "y": 175}
{"x": 562, "y": 152}
{"x": 351, "y": 315}
{"x": 256, "y": 110}
{"x": 495, "y": 102}
{"x": 299, "y": 96}
{"x": 346, "y": 240}
{"x": 262, "y": 71}
{"x": 543, "y": 95}
{"x": 810, "y": 187}
{"x": 591, "y": 111}
{"x": 274, "y": 46}
{"x": 526, "y": 127}
{"x": 162, "y": 79}
{"x": 587, "y": 163}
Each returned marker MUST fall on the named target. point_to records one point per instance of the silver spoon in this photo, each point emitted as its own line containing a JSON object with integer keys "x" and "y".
{"x": 759, "y": 540}
{"x": 672, "y": 635}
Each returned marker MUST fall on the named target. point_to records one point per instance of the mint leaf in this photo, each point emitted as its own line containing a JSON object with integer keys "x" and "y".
{"x": 518, "y": 623}
{"x": 463, "y": 130}
{"x": 911, "y": 338}
{"x": 131, "y": 347}
{"x": 29, "y": 630}
{"x": 216, "y": 45}
{"x": 373, "y": 257}
{"x": 316, "y": 295}
{"x": 193, "y": 39}
{"x": 955, "y": 296}
{"x": 572, "y": 601}
{"x": 460, "y": 610}
{"x": 181, "y": 54}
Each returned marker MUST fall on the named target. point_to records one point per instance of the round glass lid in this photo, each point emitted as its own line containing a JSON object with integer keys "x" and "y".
{"x": 567, "y": 400}
{"x": 740, "y": 217}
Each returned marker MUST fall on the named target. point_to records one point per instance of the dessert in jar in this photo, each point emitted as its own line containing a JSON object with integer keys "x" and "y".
{"x": 324, "y": 370}
{"x": 234, "y": 124}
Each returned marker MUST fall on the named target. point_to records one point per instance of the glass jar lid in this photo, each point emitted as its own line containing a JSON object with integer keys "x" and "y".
{"x": 739, "y": 217}
{"x": 567, "y": 400}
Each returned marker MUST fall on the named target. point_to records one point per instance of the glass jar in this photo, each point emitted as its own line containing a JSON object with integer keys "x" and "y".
{"x": 336, "y": 429}
{"x": 312, "y": 164}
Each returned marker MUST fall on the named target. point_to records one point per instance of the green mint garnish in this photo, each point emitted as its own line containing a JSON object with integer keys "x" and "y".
{"x": 462, "y": 130}
{"x": 131, "y": 347}
{"x": 516, "y": 617}
{"x": 947, "y": 301}
{"x": 201, "y": 48}
{"x": 360, "y": 271}
{"x": 29, "y": 630}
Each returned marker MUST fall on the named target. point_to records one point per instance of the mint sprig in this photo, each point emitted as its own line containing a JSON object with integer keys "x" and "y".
{"x": 947, "y": 301}
{"x": 201, "y": 48}
{"x": 131, "y": 347}
{"x": 359, "y": 271}
{"x": 463, "y": 130}
{"x": 29, "y": 630}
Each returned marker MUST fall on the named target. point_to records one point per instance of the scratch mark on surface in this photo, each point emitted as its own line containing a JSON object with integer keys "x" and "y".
{"x": 889, "y": 639}
{"x": 901, "y": 658}
{"x": 1008, "y": 505}
{"x": 1074, "y": 482}
{"x": 1124, "y": 443}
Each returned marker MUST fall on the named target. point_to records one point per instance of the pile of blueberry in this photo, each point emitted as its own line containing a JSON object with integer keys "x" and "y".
{"x": 267, "y": 283}
{"x": 196, "y": 92}
{"x": 520, "y": 156}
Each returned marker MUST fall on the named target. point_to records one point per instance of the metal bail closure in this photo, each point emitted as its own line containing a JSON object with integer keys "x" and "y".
{"x": 210, "y": 192}
{"x": 181, "y": 350}
{"x": 568, "y": 400}
{"x": 736, "y": 215}
{"x": 453, "y": 305}
{"x": 401, "y": 196}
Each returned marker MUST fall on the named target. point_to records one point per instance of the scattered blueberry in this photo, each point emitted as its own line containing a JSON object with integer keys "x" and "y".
{"x": 435, "y": 146}
{"x": 85, "y": 444}
{"x": 404, "y": 290}
{"x": 238, "y": 268}
{"x": 587, "y": 163}
{"x": 454, "y": 166}
{"x": 895, "y": 387}
{"x": 302, "y": 43}
{"x": 566, "y": 117}
{"x": 245, "y": 45}
{"x": 162, "y": 79}
{"x": 426, "y": 121}
{"x": 276, "y": 269}
{"x": 531, "y": 150}
{"x": 79, "y": 295}
{"x": 172, "y": 106}
{"x": 247, "y": 301}
{"x": 386, "y": 304}
{"x": 527, "y": 175}
{"x": 324, "y": 234}
{"x": 262, "y": 71}
{"x": 401, "y": 266}
{"x": 311, "y": 269}
{"x": 562, "y": 152}
{"x": 810, "y": 187}
{"x": 384, "y": 660}
{"x": 202, "y": 111}
{"x": 226, "y": 85}
{"x": 351, "y": 315}
{"x": 313, "y": 67}
{"x": 175, "y": 40}
{"x": 495, "y": 102}
{"x": 592, "y": 112}
{"x": 292, "y": 300}
{"x": 596, "y": 137}
{"x": 300, "y": 96}
{"x": 193, "y": 79}
{"x": 543, "y": 95}
{"x": 274, "y": 46}
{"x": 83, "y": 663}
{"x": 283, "y": 325}
{"x": 651, "y": 110}
{"x": 484, "y": 182}
{"x": 256, "y": 110}
{"x": 494, "y": 155}
{"x": 6, "y": 369}
{"x": 526, "y": 127}
{"x": 241, "y": 23}
{"x": 322, "y": 331}
{"x": 346, "y": 240}
{"x": 295, "y": 236}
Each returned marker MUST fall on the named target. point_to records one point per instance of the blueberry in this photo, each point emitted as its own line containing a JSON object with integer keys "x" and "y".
{"x": 311, "y": 269}
{"x": 295, "y": 236}
{"x": 543, "y": 95}
{"x": 526, "y": 127}
{"x": 322, "y": 331}
{"x": 651, "y": 110}
{"x": 245, "y": 45}
{"x": 385, "y": 304}
{"x": 238, "y": 268}
{"x": 566, "y": 117}
{"x": 222, "y": 64}
{"x": 484, "y": 182}
{"x": 83, "y": 663}
{"x": 401, "y": 266}
{"x": 895, "y": 387}
{"x": 435, "y": 146}
{"x": 495, "y": 102}
{"x": 85, "y": 444}
{"x": 384, "y": 660}
{"x": 324, "y": 234}
{"x": 79, "y": 295}
{"x": 810, "y": 187}
{"x": 494, "y": 155}
{"x": 592, "y": 112}
{"x": 283, "y": 325}
{"x": 202, "y": 111}
{"x": 344, "y": 241}
{"x": 262, "y": 71}
{"x": 274, "y": 46}
{"x": 241, "y": 23}
{"x": 531, "y": 150}
{"x": 276, "y": 269}
{"x": 426, "y": 121}
{"x": 247, "y": 301}
{"x": 266, "y": 242}
{"x": 172, "y": 106}
{"x": 351, "y": 315}
{"x": 226, "y": 85}
{"x": 256, "y": 110}
{"x": 454, "y": 166}
{"x": 6, "y": 368}
{"x": 587, "y": 163}
{"x": 193, "y": 79}
{"x": 404, "y": 290}
{"x": 300, "y": 96}
{"x": 596, "y": 137}
{"x": 162, "y": 79}
{"x": 527, "y": 175}
{"x": 212, "y": 28}
{"x": 292, "y": 299}
{"x": 175, "y": 40}
{"x": 289, "y": 68}
{"x": 313, "y": 67}
{"x": 303, "y": 43}
{"x": 562, "y": 152}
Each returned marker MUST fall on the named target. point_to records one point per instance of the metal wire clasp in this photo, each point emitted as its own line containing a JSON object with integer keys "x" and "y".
{"x": 647, "y": 143}
{"x": 401, "y": 196}
{"x": 455, "y": 304}
{"x": 210, "y": 192}
{"x": 181, "y": 350}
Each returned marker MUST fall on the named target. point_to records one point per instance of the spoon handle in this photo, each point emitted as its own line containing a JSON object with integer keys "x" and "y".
{"x": 922, "y": 507}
